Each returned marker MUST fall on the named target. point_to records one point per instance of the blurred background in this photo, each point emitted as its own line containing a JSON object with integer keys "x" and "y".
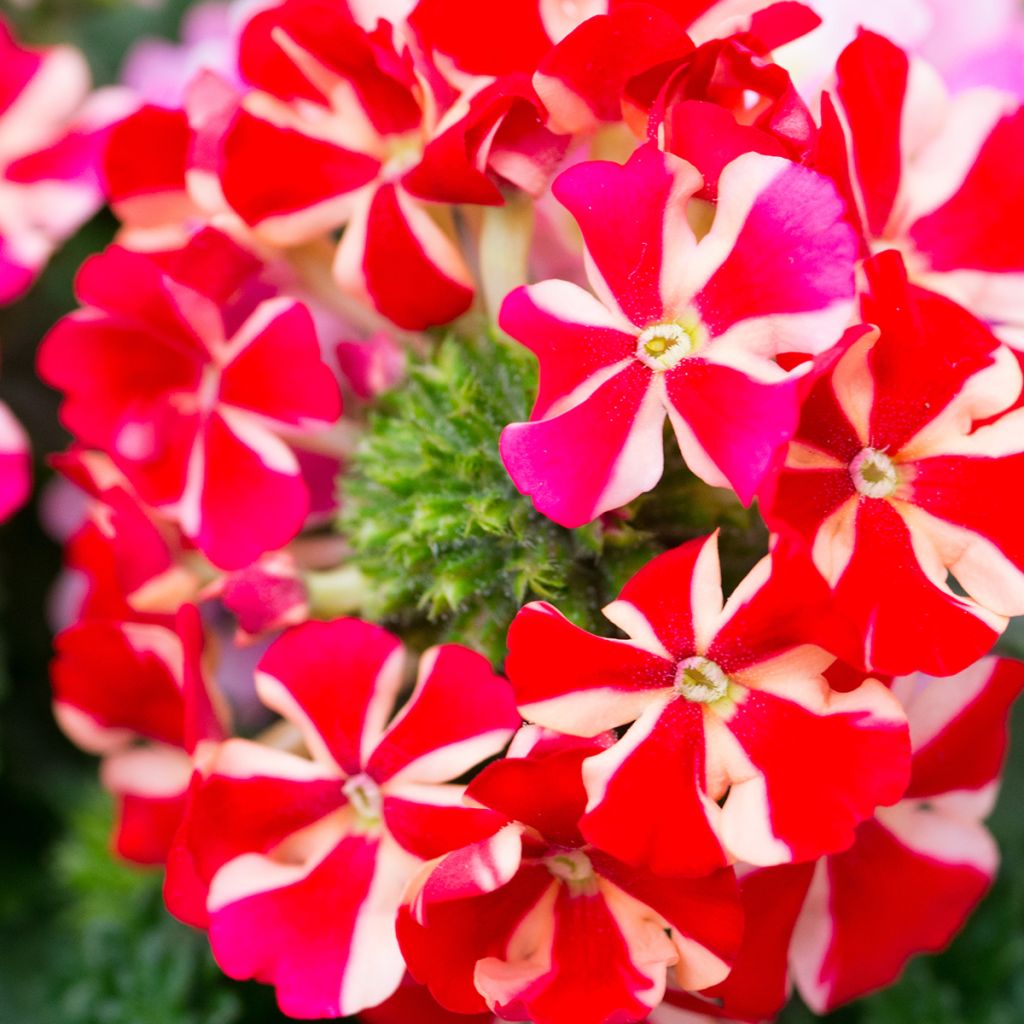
{"x": 83, "y": 939}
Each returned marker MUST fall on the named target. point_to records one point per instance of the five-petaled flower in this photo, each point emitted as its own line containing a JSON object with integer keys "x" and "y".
{"x": 889, "y": 482}
{"x": 191, "y": 381}
{"x": 731, "y": 721}
{"x": 687, "y": 323}
{"x": 305, "y": 855}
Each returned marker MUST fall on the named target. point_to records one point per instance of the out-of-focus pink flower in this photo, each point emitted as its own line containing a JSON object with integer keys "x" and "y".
{"x": 15, "y": 464}
{"x": 50, "y": 143}
{"x": 265, "y": 596}
{"x": 373, "y": 366}
{"x": 135, "y": 694}
{"x": 194, "y": 383}
{"x": 936, "y": 177}
{"x": 160, "y": 72}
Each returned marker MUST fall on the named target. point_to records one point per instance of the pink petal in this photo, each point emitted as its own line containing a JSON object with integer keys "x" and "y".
{"x": 19, "y": 65}
{"x": 303, "y": 934}
{"x": 740, "y": 436}
{"x": 597, "y": 456}
{"x": 633, "y": 220}
{"x": 460, "y": 714}
{"x": 786, "y": 256}
{"x": 277, "y": 370}
{"x": 572, "y": 335}
{"x": 337, "y": 681}
{"x": 15, "y": 464}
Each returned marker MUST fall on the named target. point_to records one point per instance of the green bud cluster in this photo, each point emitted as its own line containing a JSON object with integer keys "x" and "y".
{"x": 449, "y": 548}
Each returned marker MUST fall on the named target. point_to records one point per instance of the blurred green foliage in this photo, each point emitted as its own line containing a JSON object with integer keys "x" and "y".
{"x": 84, "y": 939}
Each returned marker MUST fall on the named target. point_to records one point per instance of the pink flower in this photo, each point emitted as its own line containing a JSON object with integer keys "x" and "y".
{"x": 683, "y": 326}
{"x": 125, "y": 560}
{"x": 306, "y": 858}
{"x": 133, "y": 693}
{"x": 49, "y": 144}
{"x": 15, "y": 464}
{"x": 936, "y": 178}
{"x": 191, "y": 383}
{"x": 889, "y": 486}
{"x": 534, "y": 922}
{"x": 733, "y": 724}
{"x": 160, "y": 72}
{"x": 268, "y": 595}
{"x": 848, "y": 924}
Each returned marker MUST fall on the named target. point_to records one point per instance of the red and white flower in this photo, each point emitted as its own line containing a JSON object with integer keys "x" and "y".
{"x": 534, "y": 922}
{"x": 890, "y": 485}
{"x": 683, "y": 326}
{"x": 383, "y": 142}
{"x": 733, "y": 725}
{"x": 715, "y": 101}
{"x": 306, "y": 857}
{"x": 134, "y": 693}
{"x": 191, "y": 380}
{"x": 935, "y": 177}
{"x": 848, "y": 924}
{"x": 123, "y": 560}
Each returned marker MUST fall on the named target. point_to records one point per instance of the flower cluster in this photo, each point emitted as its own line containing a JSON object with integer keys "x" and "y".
{"x": 746, "y": 269}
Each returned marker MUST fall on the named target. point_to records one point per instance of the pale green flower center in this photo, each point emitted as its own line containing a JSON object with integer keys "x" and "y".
{"x": 364, "y": 796}
{"x": 574, "y": 868}
{"x": 874, "y": 474}
{"x": 701, "y": 680}
{"x": 663, "y": 346}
